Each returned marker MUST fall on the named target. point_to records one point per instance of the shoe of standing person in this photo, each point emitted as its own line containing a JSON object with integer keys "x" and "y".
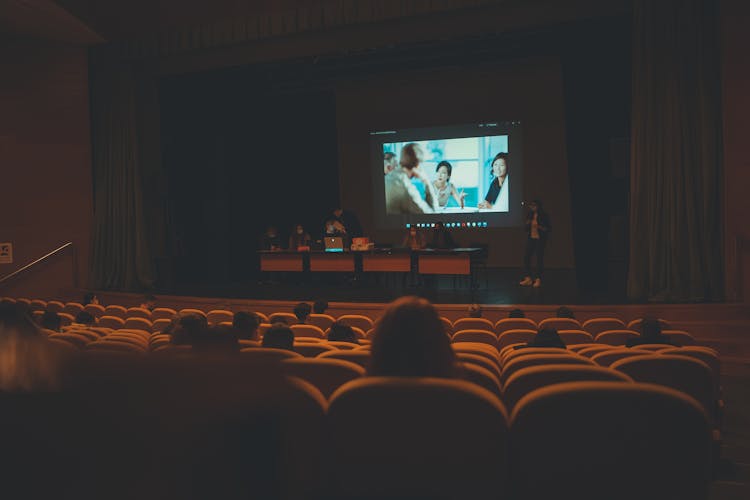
{"x": 537, "y": 283}
{"x": 526, "y": 281}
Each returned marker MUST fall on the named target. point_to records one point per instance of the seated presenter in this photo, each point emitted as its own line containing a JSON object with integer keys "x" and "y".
{"x": 270, "y": 239}
{"x": 444, "y": 188}
{"x": 413, "y": 239}
{"x": 497, "y": 194}
{"x": 401, "y": 195}
{"x": 298, "y": 238}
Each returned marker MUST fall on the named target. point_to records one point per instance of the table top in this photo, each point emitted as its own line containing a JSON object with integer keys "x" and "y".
{"x": 379, "y": 251}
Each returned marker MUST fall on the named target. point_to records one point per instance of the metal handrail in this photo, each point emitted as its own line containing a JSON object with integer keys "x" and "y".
{"x": 37, "y": 261}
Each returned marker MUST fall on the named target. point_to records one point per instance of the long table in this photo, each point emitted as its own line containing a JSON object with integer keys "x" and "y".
{"x": 456, "y": 261}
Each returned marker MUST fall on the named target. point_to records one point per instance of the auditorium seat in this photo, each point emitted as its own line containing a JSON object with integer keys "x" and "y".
{"x": 115, "y": 345}
{"x": 506, "y": 324}
{"x": 608, "y": 357}
{"x": 307, "y": 331}
{"x": 344, "y": 345}
{"x": 263, "y": 317}
{"x": 515, "y": 364}
{"x": 96, "y": 310}
{"x": 477, "y": 348}
{"x": 573, "y": 337}
{"x": 267, "y": 354}
{"x": 163, "y": 313}
{"x": 527, "y": 351}
{"x": 358, "y": 356}
{"x": 262, "y": 328}
{"x": 613, "y": 440}
{"x": 529, "y": 379}
{"x": 312, "y": 349}
{"x": 356, "y": 321}
{"x": 55, "y": 306}
{"x": 595, "y": 326}
{"x": 324, "y": 373}
{"x": 138, "y": 323}
{"x": 283, "y": 317}
{"x": 482, "y": 336}
{"x": 310, "y": 340}
{"x": 595, "y": 349}
{"x": 75, "y": 339}
{"x": 680, "y": 337}
{"x": 243, "y": 343}
{"x": 482, "y": 377}
{"x": 510, "y": 347}
{"x": 424, "y": 438}
{"x": 361, "y": 335}
{"x": 560, "y": 323}
{"x": 63, "y": 346}
{"x": 705, "y": 354}
{"x": 473, "y": 324}
{"x": 448, "y": 324}
{"x": 160, "y": 324}
{"x": 652, "y": 347}
{"x": 38, "y": 305}
{"x": 616, "y": 337}
{"x": 65, "y": 318}
{"x": 217, "y": 316}
{"x": 579, "y": 347}
{"x": 89, "y": 334}
{"x": 479, "y": 360}
{"x": 322, "y": 321}
{"x": 514, "y": 337}
{"x": 138, "y": 312}
{"x": 158, "y": 340}
{"x": 115, "y": 310}
{"x": 636, "y": 324}
{"x": 192, "y": 310}
{"x": 37, "y": 315}
{"x": 688, "y": 375}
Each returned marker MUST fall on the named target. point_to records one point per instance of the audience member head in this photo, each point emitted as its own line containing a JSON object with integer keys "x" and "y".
{"x": 410, "y": 340}
{"x": 279, "y": 336}
{"x": 90, "y": 298}
{"x": 302, "y": 311}
{"x": 475, "y": 311}
{"x": 342, "y": 333}
{"x": 320, "y": 306}
{"x": 650, "y": 327}
{"x": 188, "y": 327}
{"x": 246, "y": 325}
{"x": 516, "y": 313}
{"x": 149, "y": 302}
{"x": 50, "y": 321}
{"x": 85, "y": 318}
{"x": 547, "y": 337}
{"x": 565, "y": 312}
{"x": 411, "y": 156}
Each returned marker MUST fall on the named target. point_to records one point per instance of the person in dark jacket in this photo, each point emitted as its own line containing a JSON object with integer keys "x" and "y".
{"x": 650, "y": 334}
{"x": 537, "y": 231}
{"x": 545, "y": 337}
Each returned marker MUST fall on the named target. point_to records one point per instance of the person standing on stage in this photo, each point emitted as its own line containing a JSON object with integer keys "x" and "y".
{"x": 348, "y": 223}
{"x": 537, "y": 231}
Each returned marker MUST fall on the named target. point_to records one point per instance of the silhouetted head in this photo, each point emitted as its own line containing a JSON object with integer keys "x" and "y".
{"x": 246, "y": 325}
{"x": 90, "y": 298}
{"x": 565, "y": 312}
{"x": 516, "y": 313}
{"x": 320, "y": 306}
{"x": 85, "y": 318}
{"x": 342, "y": 333}
{"x": 410, "y": 340}
{"x": 51, "y": 321}
{"x": 302, "y": 311}
{"x": 279, "y": 336}
{"x": 188, "y": 327}
{"x": 650, "y": 327}
{"x": 475, "y": 311}
{"x": 547, "y": 337}
{"x": 149, "y": 302}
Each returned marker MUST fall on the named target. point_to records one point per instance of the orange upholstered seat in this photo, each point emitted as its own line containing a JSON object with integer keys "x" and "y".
{"x": 357, "y": 356}
{"x": 356, "y": 320}
{"x": 506, "y": 324}
{"x": 217, "y": 316}
{"x": 616, "y": 337}
{"x": 515, "y": 364}
{"x": 560, "y": 323}
{"x": 473, "y": 324}
{"x": 482, "y": 336}
{"x": 595, "y": 326}
{"x": 606, "y": 358}
{"x": 324, "y": 373}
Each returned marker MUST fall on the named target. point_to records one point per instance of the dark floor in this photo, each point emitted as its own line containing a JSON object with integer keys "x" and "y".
{"x": 491, "y": 286}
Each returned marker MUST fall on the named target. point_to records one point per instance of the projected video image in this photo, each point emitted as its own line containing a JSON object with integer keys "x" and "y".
{"x": 447, "y": 176}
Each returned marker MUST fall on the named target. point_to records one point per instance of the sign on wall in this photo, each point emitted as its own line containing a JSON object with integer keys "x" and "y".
{"x": 6, "y": 253}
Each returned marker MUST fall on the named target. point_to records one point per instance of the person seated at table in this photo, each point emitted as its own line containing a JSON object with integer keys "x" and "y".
{"x": 545, "y": 337}
{"x": 413, "y": 239}
{"x": 270, "y": 240}
{"x": 650, "y": 334}
{"x": 299, "y": 238}
{"x": 279, "y": 336}
{"x": 342, "y": 333}
{"x": 444, "y": 188}
{"x": 441, "y": 237}
{"x": 302, "y": 311}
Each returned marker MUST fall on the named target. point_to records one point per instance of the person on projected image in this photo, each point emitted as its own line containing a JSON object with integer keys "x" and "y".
{"x": 497, "y": 194}
{"x": 401, "y": 195}
{"x": 390, "y": 162}
{"x": 537, "y": 231}
{"x": 444, "y": 188}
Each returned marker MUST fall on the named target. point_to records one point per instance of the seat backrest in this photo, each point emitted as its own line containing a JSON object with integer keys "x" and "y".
{"x": 65, "y": 318}
{"x": 73, "y": 308}
{"x": 572, "y": 337}
{"x": 482, "y": 336}
{"x": 529, "y": 379}
{"x": 267, "y": 354}
{"x": 115, "y": 310}
{"x": 338, "y": 344}
{"x": 652, "y": 347}
{"x": 595, "y": 326}
{"x": 72, "y": 338}
{"x": 138, "y": 323}
{"x": 606, "y": 358}
{"x": 357, "y": 356}
{"x": 283, "y": 317}
{"x": 448, "y": 324}
{"x": 312, "y": 349}
{"x": 163, "y": 313}
{"x": 636, "y": 324}
{"x": 96, "y": 310}
{"x": 520, "y": 362}
{"x": 633, "y": 440}
{"x": 514, "y": 337}
{"x": 685, "y": 374}
{"x": 679, "y": 337}
{"x": 307, "y": 331}
{"x": 425, "y": 438}
{"x": 192, "y": 310}
{"x": 560, "y": 323}
{"x": 324, "y": 373}
{"x": 616, "y": 337}
{"x": 527, "y": 351}
{"x": 705, "y": 354}
{"x": 217, "y": 316}
{"x": 476, "y": 359}
{"x": 322, "y": 321}
{"x": 55, "y": 306}
{"x": 591, "y": 351}
{"x": 580, "y": 347}
{"x": 138, "y": 312}
{"x": 482, "y": 377}
{"x": 356, "y": 320}
{"x": 38, "y": 305}
{"x": 505, "y": 324}
{"x": 473, "y": 324}
{"x": 158, "y": 325}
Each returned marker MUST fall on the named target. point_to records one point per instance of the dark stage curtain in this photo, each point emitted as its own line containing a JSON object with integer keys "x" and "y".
{"x": 675, "y": 214}
{"x": 120, "y": 254}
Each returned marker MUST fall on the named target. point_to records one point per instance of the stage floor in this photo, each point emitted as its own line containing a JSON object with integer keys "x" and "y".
{"x": 493, "y": 286}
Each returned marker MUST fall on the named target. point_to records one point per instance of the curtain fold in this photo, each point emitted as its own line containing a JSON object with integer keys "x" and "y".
{"x": 675, "y": 216}
{"x": 120, "y": 254}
